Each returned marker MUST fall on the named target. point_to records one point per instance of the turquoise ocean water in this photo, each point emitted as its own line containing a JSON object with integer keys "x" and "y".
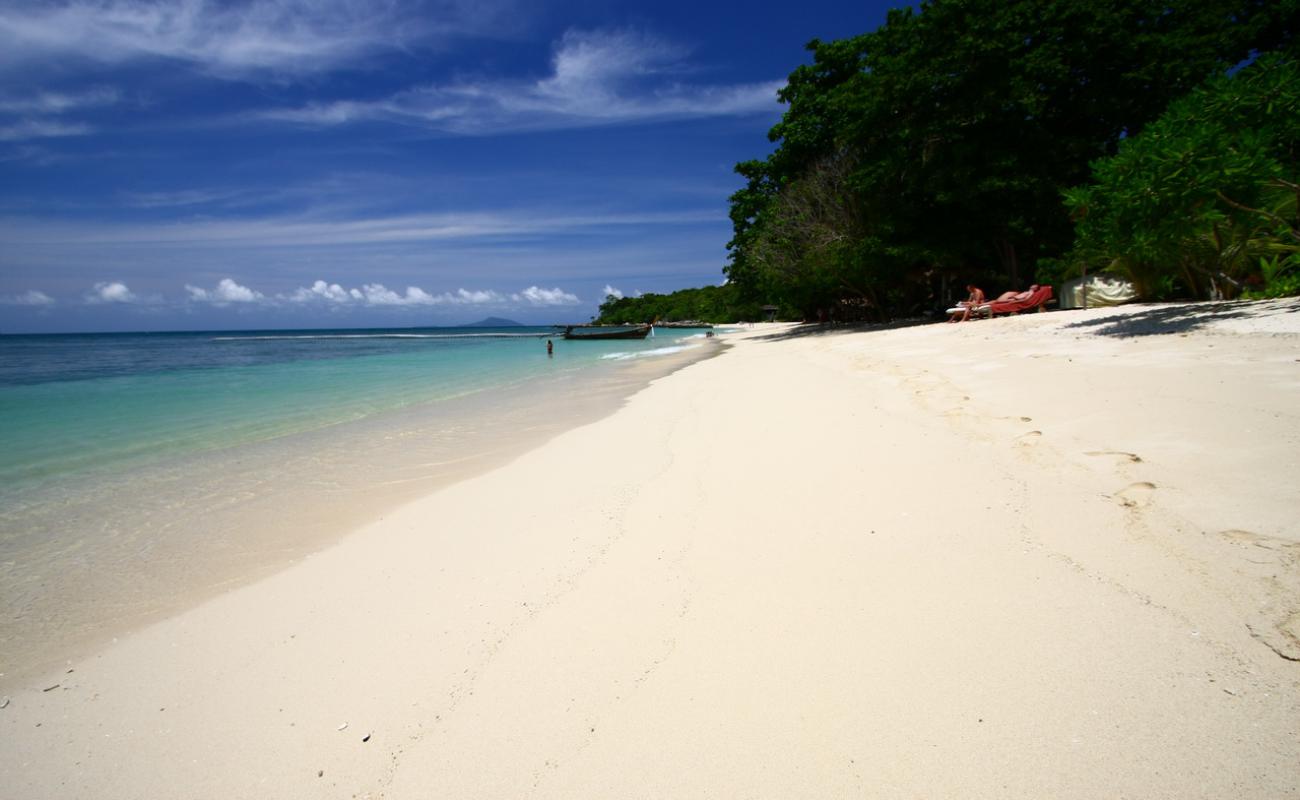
{"x": 78, "y": 403}
{"x": 139, "y": 468}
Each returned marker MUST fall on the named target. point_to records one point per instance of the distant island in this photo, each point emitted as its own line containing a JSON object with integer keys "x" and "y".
{"x": 495, "y": 322}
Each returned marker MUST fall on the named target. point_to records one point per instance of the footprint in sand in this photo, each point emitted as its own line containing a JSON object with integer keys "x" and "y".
{"x": 1282, "y": 638}
{"x": 1136, "y": 495}
{"x": 1238, "y": 536}
{"x": 1132, "y": 458}
{"x": 1029, "y": 439}
{"x": 1288, "y": 550}
{"x": 1277, "y": 622}
{"x": 1291, "y": 629}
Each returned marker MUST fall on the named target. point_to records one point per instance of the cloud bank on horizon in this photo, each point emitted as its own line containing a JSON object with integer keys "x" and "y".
{"x": 227, "y": 292}
{"x": 214, "y": 154}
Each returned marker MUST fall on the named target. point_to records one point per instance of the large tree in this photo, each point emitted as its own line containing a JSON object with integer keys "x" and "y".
{"x": 1206, "y": 192}
{"x": 964, "y": 121}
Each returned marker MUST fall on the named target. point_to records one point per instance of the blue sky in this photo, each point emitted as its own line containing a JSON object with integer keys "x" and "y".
{"x": 283, "y": 163}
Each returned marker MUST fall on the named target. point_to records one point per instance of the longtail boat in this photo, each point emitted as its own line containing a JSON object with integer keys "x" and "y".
{"x": 606, "y": 331}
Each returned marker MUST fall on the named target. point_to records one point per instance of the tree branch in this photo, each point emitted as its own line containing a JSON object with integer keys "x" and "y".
{"x": 1269, "y": 215}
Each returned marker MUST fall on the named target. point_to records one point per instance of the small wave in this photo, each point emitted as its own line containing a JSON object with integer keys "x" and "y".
{"x": 658, "y": 351}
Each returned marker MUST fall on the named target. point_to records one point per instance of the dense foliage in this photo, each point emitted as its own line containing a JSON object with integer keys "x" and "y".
{"x": 707, "y": 304}
{"x": 935, "y": 150}
{"x": 1204, "y": 200}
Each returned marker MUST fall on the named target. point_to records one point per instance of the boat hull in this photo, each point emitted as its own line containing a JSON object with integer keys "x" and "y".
{"x": 598, "y": 332}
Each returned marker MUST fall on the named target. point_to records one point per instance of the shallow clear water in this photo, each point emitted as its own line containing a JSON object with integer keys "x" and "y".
{"x": 93, "y": 402}
{"x": 135, "y": 468}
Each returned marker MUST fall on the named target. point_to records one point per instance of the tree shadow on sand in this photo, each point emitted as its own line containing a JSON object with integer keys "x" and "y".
{"x": 1181, "y": 318}
{"x": 808, "y": 329}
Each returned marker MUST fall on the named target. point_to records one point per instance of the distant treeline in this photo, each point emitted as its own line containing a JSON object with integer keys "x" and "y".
{"x": 1006, "y": 141}
{"x": 707, "y": 304}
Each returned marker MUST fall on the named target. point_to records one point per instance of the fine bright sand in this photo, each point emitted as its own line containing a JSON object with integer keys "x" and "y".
{"x": 1048, "y": 556}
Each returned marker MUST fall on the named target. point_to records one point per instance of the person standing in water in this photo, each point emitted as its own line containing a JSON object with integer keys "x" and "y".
{"x": 550, "y": 349}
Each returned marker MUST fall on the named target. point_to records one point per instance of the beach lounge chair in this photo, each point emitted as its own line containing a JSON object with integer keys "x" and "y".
{"x": 1037, "y": 300}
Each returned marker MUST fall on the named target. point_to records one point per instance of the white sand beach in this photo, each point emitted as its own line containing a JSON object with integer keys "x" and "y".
{"x": 1054, "y": 555}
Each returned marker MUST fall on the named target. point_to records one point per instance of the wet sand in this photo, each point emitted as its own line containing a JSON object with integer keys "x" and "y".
{"x": 111, "y": 553}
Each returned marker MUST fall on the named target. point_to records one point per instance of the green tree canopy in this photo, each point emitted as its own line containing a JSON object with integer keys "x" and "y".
{"x": 1204, "y": 192}
{"x": 713, "y": 304}
{"x": 949, "y": 133}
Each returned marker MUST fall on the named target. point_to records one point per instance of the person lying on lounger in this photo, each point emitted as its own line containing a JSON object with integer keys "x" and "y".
{"x": 1025, "y": 295}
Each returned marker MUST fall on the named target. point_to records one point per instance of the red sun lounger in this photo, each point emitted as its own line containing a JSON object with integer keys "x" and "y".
{"x": 1036, "y": 300}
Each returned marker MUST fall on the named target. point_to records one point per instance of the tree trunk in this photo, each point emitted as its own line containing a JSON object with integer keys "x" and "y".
{"x": 1010, "y": 264}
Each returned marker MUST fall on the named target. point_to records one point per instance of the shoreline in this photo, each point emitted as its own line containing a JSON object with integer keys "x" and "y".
{"x": 288, "y": 497}
{"x": 1023, "y": 557}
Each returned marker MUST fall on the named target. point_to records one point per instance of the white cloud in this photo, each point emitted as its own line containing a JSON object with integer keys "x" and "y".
{"x": 588, "y": 67}
{"x": 30, "y": 297}
{"x": 465, "y": 297}
{"x": 183, "y": 197}
{"x": 47, "y": 103}
{"x": 610, "y": 291}
{"x": 111, "y": 292}
{"x": 377, "y": 294}
{"x": 321, "y": 291}
{"x": 39, "y": 113}
{"x": 225, "y": 293}
{"x": 596, "y": 78}
{"x": 232, "y": 39}
{"x": 318, "y": 230}
{"x": 546, "y": 297}
{"x": 41, "y": 129}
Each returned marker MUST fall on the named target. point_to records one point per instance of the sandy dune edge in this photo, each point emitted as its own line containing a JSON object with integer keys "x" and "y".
{"x": 1054, "y": 555}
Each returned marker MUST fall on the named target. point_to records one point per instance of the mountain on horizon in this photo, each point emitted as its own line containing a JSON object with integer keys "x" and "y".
{"x": 495, "y": 322}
